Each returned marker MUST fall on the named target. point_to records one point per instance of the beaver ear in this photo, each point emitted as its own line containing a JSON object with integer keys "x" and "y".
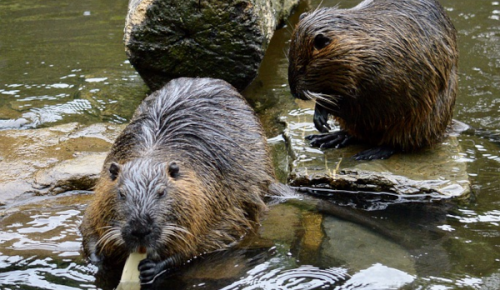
{"x": 173, "y": 169}
{"x": 302, "y": 16}
{"x": 114, "y": 170}
{"x": 321, "y": 41}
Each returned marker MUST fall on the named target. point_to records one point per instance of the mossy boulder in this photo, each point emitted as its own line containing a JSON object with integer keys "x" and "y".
{"x": 166, "y": 39}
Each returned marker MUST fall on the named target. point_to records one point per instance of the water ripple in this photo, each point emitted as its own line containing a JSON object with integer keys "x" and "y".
{"x": 303, "y": 277}
{"x": 46, "y": 274}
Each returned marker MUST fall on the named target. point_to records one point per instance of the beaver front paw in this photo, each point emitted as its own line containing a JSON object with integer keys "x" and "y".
{"x": 149, "y": 270}
{"x": 336, "y": 139}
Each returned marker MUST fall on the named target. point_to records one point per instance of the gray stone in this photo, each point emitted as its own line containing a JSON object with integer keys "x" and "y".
{"x": 166, "y": 39}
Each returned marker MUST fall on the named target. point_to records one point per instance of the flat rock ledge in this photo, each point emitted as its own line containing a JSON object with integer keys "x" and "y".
{"x": 437, "y": 173}
{"x": 53, "y": 160}
{"x": 380, "y": 182}
{"x": 166, "y": 39}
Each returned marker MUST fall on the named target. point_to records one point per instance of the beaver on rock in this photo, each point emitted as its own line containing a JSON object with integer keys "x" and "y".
{"x": 385, "y": 69}
{"x": 187, "y": 176}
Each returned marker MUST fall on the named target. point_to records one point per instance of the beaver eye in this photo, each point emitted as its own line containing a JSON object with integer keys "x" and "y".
{"x": 121, "y": 195}
{"x": 321, "y": 41}
{"x": 162, "y": 193}
{"x": 173, "y": 170}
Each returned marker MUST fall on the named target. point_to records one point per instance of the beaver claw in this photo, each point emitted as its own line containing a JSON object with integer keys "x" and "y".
{"x": 149, "y": 270}
{"x": 381, "y": 152}
{"x": 338, "y": 139}
{"x": 320, "y": 119}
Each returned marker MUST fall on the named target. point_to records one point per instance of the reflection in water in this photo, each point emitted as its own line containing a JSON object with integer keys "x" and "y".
{"x": 469, "y": 216}
{"x": 378, "y": 277}
{"x": 302, "y": 244}
{"x": 46, "y": 274}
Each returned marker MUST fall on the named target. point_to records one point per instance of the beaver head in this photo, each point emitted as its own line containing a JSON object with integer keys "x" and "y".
{"x": 148, "y": 200}
{"x": 326, "y": 60}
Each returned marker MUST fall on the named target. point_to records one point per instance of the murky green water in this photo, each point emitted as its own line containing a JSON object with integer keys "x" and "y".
{"x": 63, "y": 61}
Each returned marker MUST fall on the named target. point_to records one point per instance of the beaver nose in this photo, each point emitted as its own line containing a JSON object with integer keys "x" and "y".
{"x": 140, "y": 231}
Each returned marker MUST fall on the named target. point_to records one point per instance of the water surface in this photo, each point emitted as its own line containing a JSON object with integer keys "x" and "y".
{"x": 62, "y": 62}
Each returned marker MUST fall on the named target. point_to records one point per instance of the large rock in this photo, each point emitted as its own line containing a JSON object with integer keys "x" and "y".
{"x": 166, "y": 39}
{"x": 53, "y": 160}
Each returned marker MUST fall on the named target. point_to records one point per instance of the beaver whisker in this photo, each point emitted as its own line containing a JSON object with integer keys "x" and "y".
{"x": 288, "y": 26}
{"x": 170, "y": 235}
{"x": 285, "y": 52}
{"x": 172, "y": 230}
{"x": 175, "y": 227}
{"x": 112, "y": 235}
{"x": 308, "y": 95}
{"x": 324, "y": 99}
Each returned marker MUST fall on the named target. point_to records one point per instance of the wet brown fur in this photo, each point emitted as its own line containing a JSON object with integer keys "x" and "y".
{"x": 389, "y": 73}
{"x": 211, "y": 133}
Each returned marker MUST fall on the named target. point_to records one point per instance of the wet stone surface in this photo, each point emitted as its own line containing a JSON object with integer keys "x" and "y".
{"x": 53, "y": 160}
{"x": 436, "y": 173}
{"x": 69, "y": 157}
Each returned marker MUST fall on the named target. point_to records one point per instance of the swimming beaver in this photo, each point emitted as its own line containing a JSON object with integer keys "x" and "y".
{"x": 385, "y": 69}
{"x": 187, "y": 176}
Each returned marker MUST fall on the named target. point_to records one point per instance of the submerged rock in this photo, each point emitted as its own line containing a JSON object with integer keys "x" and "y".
{"x": 351, "y": 244}
{"x": 53, "y": 160}
{"x": 166, "y": 39}
{"x": 436, "y": 173}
